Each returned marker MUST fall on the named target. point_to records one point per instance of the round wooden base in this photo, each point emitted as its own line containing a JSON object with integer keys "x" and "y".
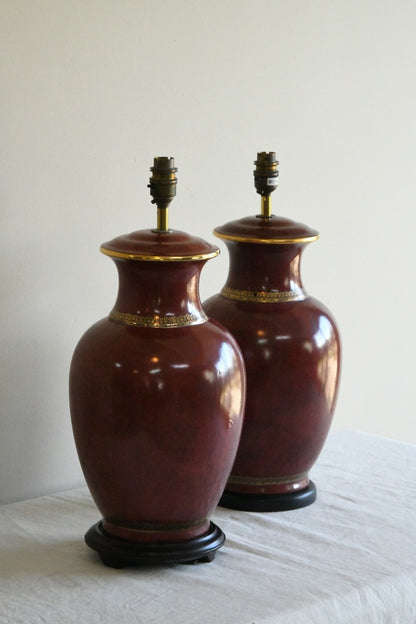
{"x": 119, "y": 553}
{"x": 269, "y": 502}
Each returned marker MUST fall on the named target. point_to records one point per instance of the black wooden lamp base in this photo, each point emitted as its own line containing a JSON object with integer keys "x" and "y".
{"x": 269, "y": 502}
{"x": 119, "y": 553}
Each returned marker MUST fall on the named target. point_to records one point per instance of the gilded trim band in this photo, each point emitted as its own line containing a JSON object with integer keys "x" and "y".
{"x": 267, "y": 241}
{"x": 237, "y": 480}
{"x": 272, "y": 296}
{"x": 156, "y": 321}
{"x": 151, "y": 527}
{"x": 185, "y": 258}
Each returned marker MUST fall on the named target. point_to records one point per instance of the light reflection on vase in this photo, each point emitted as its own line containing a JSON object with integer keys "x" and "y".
{"x": 291, "y": 348}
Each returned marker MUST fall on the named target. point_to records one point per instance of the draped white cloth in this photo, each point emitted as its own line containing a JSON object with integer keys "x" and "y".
{"x": 349, "y": 558}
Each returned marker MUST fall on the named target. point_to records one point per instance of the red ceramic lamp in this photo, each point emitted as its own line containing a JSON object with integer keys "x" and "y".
{"x": 157, "y": 396}
{"x": 291, "y": 348}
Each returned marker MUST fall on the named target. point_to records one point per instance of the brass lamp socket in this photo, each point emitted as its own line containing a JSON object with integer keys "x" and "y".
{"x": 162, "y": 184}
{"x": 266, "y": 179}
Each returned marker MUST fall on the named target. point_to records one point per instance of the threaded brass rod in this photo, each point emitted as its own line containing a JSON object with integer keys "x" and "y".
{"x": 162, "y": 219}
{"x": 266, "y": 206}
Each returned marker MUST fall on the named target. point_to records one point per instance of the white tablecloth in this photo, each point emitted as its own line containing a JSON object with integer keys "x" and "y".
{"x": 348, "y": 558}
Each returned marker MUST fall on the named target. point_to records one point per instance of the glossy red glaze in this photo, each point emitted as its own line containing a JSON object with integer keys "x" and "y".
{"x": 157, "y": 410}
{"x": 274, "y": 228}
{"x": 292, "y": 355}
{"x": 154, "y": 243}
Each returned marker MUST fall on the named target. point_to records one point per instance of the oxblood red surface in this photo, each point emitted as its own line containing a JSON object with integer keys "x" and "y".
{"x": 157, "y": 412}
{"x": 292, "y": 356}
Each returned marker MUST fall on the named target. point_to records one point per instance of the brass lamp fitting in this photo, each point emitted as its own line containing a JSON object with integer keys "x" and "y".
{"x": 162, "y": 188}
{"x": 265, "y": 180}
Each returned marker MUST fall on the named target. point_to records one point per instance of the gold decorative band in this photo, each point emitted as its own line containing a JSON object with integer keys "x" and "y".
{"x": 272, "y": 296}
{"x": 137, "y": 320}
{"x": 186, "y": 258}
{"x": 151, "y": 527}
{"x": 237, "y": 480}
{"x": 267, "y": 241}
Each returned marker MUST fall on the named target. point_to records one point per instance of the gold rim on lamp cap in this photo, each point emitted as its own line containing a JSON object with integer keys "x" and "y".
{"x": 154, "y": 258}
{"x": 267, "y": 241}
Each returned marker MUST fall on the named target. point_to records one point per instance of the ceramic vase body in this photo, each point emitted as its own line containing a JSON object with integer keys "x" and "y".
{"x": 157, "y": 394}
{"x": 291, "y": 348}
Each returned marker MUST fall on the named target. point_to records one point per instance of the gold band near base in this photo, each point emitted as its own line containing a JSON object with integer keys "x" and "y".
{"x": 273, "y": 296}
{"x": 156, "y": 321}
{"x": 151, "y": 527}
{"x": 238, "y": 480}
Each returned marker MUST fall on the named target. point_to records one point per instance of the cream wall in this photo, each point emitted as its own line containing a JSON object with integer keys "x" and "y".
{"x": 93, "y": 89}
